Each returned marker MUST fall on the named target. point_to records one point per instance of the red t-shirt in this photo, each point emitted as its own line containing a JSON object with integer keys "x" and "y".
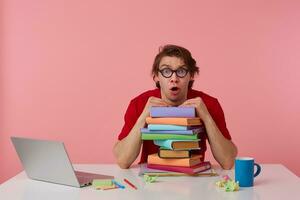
{"x": 137, "y": 105}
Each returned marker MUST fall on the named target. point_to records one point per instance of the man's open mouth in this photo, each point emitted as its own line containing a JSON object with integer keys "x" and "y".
{"x": 174, "y": 89}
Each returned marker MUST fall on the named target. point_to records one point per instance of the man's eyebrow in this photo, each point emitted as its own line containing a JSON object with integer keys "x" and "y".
{"x": 182, "y": 66}
{"x": 165, "y": 65}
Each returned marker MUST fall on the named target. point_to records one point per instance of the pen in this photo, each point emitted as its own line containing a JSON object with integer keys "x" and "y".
{"x": 118, "y": 184}
{"x": 133, "y": 186}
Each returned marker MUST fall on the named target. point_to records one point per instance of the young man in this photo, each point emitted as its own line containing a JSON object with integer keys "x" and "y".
{"x": 173, "y": 72}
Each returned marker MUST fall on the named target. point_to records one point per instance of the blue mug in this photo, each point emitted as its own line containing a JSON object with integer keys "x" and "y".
{"x": 244, "y": 171}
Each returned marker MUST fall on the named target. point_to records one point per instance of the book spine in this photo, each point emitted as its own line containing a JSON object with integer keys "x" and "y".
{"x": 174, "y": 121}
{"x": 172, "y": 112}
{"x": 185, "y": 132}
{"x": 185, "y": 162}
{"x": 171, "y": 168}
{"x": 147, "y": 136}
{"x": 171, "y": 157}
{"x": 188, "y": 170}
{"x": 166, "y": 127}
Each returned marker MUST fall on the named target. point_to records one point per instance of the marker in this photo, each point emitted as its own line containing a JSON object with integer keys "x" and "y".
{"x": 118, "y": 184}
{"x": 133, "y": 186}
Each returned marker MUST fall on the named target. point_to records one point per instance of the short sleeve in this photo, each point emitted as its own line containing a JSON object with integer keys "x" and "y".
{"x": 130, "y": 119}
{"x": 219, "y": 118}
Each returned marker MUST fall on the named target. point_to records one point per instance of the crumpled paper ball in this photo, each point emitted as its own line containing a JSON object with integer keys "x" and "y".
{"x": 228, "y": 184}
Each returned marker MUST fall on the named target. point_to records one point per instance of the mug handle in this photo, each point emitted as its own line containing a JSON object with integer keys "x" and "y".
{"x": 258, "y": 169}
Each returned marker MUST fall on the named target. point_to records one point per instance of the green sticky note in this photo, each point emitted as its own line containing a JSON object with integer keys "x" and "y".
{"x": 102, "y": 182}
{"x": 149, "y": 179}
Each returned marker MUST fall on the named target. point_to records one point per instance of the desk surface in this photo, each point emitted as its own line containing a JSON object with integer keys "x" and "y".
{"x": 274, "y": 182}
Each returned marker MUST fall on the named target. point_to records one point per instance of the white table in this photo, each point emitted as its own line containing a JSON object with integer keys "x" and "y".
{"x": 274, "y": 182}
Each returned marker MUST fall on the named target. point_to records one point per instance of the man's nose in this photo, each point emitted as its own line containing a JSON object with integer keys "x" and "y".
{"x": 174, "y": 78}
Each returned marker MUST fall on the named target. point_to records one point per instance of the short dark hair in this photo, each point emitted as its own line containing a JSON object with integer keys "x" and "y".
{"x": 179, "y": 52}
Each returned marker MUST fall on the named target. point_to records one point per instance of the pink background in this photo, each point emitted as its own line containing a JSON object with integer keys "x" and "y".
{"x": 70, "y": 68}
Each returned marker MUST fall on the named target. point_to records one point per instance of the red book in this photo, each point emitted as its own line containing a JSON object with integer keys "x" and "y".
{"x": 187, "y": 170}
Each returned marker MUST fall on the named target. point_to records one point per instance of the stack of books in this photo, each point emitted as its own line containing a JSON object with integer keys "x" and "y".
{"x": 176, "y": 131}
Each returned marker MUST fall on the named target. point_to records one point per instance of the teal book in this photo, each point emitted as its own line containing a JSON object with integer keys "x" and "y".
{"x": 151, "y": 136}
{"x": 178, "y": 144}
{"x": 163, "y": 127}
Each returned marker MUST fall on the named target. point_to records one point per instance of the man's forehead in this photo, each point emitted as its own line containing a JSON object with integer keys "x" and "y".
{"x": 171, "y": 61}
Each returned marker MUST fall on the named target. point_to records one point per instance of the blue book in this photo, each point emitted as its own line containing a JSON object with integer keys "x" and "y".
{"x": 184, "y": 112}
{"x": 184, "y": 132}
{"x": 178, "y": 144}
{"x": 151, "y": 136}
{"x": 166, "y": 127}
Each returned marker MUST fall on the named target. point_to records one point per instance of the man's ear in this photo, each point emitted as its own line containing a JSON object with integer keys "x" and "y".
{"x": 192, "y": 78}
{"x": 155, "y": 78}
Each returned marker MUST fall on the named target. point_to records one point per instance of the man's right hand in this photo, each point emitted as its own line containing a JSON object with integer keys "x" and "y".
{"x": 152, "y": 101}
{"x": 127, "y": 150}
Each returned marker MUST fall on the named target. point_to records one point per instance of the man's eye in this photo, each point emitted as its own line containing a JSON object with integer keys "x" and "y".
{"x": 166, "y": 71}
{"x": 181, "y": 71}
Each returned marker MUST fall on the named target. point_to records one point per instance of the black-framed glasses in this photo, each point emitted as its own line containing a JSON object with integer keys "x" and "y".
{"x": 180, "y": 72}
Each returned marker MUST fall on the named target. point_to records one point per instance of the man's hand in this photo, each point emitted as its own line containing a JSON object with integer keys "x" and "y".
{"x": 199, "y": 105}
{"x": 224, "y": 151}
{"x": 152, "y": 101}
{"x": 127, "y": 150}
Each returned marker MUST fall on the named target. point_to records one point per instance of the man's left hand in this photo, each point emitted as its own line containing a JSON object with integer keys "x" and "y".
{"x": 200, "y": 106}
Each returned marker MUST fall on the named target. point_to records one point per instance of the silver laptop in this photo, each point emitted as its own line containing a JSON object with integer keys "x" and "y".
{"x": 48, "y": 161}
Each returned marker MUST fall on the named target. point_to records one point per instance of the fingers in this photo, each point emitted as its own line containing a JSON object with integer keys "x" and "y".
{"x": 188, "y": 102}
{"x": 191, "y": 102}
{"x": 188, "y": 105}
{"x": 159, "y": 104}
{"x": 154, "y": 101}
{"x": 184, "y": 104}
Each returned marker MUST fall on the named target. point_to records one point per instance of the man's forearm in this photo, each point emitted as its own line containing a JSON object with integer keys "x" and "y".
{"x": 224, "y": 151}
{"x": 127, "y": 150}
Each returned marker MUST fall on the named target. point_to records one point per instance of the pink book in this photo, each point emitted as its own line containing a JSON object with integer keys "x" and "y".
{"x": 188, "y": 170}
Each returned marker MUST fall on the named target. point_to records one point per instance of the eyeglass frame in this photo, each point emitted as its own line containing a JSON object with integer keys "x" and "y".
{"x": 180, "y": 68}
